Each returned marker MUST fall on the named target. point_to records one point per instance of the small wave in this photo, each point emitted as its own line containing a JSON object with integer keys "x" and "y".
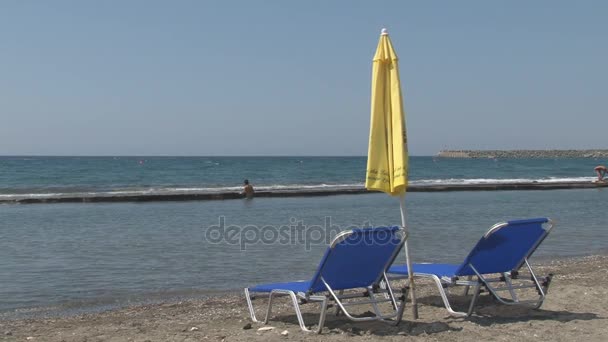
{"x": 310, "y": 187}
{"x": 176, "y": 191}
{"x": 474, "y": 181}
{"x": 31, "y": 195}
{"x": 159, "y": 191}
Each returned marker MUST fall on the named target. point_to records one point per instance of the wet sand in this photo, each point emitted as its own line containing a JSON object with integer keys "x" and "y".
{"x": 575, "y": 309}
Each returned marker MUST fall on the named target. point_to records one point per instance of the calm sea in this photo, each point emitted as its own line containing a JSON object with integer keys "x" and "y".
{"x": 64, "y": 258}
{"x": 39, "y": 177}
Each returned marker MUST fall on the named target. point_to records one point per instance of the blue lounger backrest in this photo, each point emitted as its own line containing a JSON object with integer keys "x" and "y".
{"x": 505, "y": 246}
{"x": 358, "y": 258}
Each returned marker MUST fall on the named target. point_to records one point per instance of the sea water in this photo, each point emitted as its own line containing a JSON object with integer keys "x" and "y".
{"x": 58, "y": 258}
{"x": 48, "y": 177}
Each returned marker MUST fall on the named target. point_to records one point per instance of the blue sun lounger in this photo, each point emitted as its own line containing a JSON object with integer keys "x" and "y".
{"x": 493, "y": 264}
{"x": 355, "y": 259}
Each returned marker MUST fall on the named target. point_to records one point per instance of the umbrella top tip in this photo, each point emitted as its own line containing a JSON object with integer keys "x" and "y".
{"x": 384, "y": 32}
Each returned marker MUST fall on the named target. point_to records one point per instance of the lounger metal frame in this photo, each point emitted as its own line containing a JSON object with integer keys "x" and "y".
{"x": 480, "y": 282}
{"x": 376, "y": 294}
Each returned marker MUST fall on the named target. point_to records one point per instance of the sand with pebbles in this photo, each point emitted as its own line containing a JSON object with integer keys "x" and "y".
{"x": 575, "y": 309}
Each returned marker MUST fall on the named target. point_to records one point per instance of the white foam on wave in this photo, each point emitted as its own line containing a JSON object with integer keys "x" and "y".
{"x": 311, "y": 186}
{"x": 474, "y": 181}
{"x": 36, "y": 195}
{"x": 283, "y": 188}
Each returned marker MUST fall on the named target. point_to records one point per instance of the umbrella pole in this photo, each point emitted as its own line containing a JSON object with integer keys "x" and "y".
{"x": 410, "y": 274}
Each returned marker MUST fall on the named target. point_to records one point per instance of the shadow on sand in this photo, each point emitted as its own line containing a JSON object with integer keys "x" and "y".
{"x": 343, "y": 326}
{"x": 489, "y": 312}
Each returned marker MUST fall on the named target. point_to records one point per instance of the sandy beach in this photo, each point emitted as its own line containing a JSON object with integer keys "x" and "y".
{"x": 575, "y": 309}
{"x": 158, "y": 158}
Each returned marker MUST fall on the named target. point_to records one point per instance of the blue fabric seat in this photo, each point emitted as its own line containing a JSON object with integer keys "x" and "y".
{"x": 441, "y": 270}
{"x": 355, "y": 259}
{"x": 503, "y": 250}
{"x": 295, "y": 286}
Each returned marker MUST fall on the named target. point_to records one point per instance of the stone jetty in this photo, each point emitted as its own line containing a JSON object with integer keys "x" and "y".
{"x": 523, "y": 154}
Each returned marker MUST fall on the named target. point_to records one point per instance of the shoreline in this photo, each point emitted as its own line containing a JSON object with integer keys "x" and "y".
{"x": 304, "y": 193}
{"x": 68, "y": 309}
{"x": 576, "y": 306}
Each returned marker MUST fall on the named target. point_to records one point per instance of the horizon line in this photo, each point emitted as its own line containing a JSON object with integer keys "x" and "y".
{"x": 187, "y": 156}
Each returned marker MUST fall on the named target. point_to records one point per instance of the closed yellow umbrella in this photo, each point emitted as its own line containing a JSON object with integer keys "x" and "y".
{"x": 387, "y": 157}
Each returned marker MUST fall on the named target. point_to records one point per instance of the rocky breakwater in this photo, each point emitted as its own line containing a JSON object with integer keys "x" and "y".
{"x": 523, "y": 154}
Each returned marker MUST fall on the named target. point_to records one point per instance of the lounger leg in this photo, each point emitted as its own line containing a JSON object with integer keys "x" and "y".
{"x": 383, "y": 286}
{"x": 466, "y": 288}
{"x": 372, "y": 300}
{"x": 337, "y": 300}
{"x": 474, "y": 299}
{"x": 296, "y": 305}
{"x": 374, "y": 303}
{"x": 324, "y": 303}
{"x": 250, "y": 305}
{"x": 269, "y": 310}
{"x": 444, "y": 296}
{"x": 398, "y": 308}
{"x": 510, "y": 286}
{"x": 541, "y": 291}
{"x": 401, "y": 308}
{"x": 338, "y": 310}
{"x": 390, "y": 293}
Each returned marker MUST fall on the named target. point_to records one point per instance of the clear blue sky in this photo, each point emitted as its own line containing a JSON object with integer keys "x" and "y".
{"x": 293, "y": 77}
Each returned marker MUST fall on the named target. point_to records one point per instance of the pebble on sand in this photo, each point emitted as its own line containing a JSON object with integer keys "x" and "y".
{"x": 266, "y": 328}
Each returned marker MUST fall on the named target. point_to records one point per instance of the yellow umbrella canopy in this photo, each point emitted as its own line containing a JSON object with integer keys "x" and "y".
{"x": 387, "y": 157}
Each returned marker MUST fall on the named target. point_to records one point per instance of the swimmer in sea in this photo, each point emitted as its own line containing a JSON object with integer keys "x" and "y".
{"x": 601, "y": 171}
{"x": 247, "y": 189}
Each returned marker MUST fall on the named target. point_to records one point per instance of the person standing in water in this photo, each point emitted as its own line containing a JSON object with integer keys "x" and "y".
{"x": 247, "y": 189}
{"x": 601, "y": 171}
